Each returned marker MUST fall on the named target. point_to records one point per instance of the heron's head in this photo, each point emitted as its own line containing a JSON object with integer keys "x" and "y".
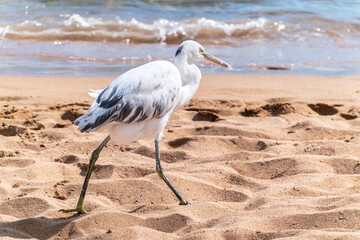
{"x": 195, "y": 51}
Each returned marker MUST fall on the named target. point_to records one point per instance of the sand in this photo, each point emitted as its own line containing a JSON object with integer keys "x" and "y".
{"x": 258, "y": 157}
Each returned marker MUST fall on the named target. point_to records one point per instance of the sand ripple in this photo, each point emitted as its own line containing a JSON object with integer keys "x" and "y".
{"x": 264, "y": 169}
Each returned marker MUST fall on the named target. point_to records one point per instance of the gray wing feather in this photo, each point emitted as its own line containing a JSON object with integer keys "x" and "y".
{"x": 147, "y": 92}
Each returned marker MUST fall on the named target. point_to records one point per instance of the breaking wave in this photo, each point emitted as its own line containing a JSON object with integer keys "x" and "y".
{"x": 78, "y": 28}
{"x": 208, "y": 31}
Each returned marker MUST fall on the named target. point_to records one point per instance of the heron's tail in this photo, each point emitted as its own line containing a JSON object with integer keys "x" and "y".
{"x": 77, "y": 121}
{"x": 91, "y": 120}
{"x": 81, "y": 122}
{"x": 86, "y": 121}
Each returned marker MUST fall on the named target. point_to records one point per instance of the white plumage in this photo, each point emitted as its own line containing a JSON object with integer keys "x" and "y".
{"x": 147, "y": 95}
{"x": 138, "y": 104}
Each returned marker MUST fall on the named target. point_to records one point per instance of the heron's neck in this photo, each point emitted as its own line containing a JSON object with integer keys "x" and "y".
{"x": 190, "y": 74}
{"x": 190, "y": 77}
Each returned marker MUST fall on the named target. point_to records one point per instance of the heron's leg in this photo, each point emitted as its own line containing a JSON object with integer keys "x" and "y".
{"x": 94, "y": 157}
{"x": 160, "y": 172}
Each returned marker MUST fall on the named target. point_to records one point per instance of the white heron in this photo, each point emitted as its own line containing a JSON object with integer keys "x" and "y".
{"x": 138, "y": 104}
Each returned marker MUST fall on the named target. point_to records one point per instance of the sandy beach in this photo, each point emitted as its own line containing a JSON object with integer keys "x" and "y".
{"x": 258, "y": 157}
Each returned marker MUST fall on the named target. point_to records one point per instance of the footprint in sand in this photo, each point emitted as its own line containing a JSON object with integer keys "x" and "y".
{"x": 134, "y": 172}
{"x": 11, "y": 112}
{"x": 241, "y": 181}
{"x": 16, "y": 162}
{"x": 207, "y": 116}
{"x": 72, "y": 115}
{"x": 68, "y": 159}
{"x": 344, "y": 165}
{"x": 33, "y": 124}
{"x": 348, "y": 116}
{"x": 268, "y": 169}
{"x": 76, "y": 105}
{"x": 327, "y": 110}
{"x": 169, "y": 223}
{"x": 99, "y": 171}
{"x": 179, "y": 142}
{"x": 71, "y": 111}
{"x": 352, "y": 113}
{"x": 227, "y": 131}
{"x": 323, "y": 109}
{"x": 24, "y": 207}
{"x": 30, "y": 123}
{"x": 166, "y": 156}
{"x": 217, "y": 111}
{"x": 7, "y": 154}
{"x": 274, "y": 109}
{"x": 343, "y": 219}
{"x": 11, "y": 130}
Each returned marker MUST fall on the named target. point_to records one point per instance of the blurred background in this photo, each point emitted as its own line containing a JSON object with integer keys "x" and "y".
{"x": 108, "y": 37}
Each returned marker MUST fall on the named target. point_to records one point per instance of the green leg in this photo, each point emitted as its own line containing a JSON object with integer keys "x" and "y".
{"x": 94, "y": 157}
{"x": 161, "y": 174}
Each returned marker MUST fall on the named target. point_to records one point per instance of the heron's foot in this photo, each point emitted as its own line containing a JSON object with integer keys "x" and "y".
{"x": 184, "y": 202}
{"x": 79, "y": 210}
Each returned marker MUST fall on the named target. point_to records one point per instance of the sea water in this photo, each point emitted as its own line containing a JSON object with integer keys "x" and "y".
{"x": 108, "y": 37}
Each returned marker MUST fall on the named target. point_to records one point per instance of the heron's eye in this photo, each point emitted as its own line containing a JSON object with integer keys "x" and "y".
{"x": 201, "y": 51}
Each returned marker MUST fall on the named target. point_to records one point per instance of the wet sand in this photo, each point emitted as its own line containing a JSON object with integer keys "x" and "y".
{"x": 258, "y": 157}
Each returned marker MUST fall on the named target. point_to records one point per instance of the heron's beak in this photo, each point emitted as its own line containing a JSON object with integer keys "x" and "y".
{"x": 216, "y": 60}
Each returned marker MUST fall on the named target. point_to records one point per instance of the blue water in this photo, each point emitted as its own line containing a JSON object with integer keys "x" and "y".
{"x": 106, "y": 38}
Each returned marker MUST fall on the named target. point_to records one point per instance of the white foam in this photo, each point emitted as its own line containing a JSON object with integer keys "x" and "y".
{"x": 3, "y": 32}
{"x": 82, "y": 22}
{"x": 31, "y": 23}
{"x": 164, "y": 28}
{"x": 161, "y": 30}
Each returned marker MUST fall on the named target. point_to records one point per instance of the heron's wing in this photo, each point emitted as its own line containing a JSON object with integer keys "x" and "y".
{"x": 147, "y": 92}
